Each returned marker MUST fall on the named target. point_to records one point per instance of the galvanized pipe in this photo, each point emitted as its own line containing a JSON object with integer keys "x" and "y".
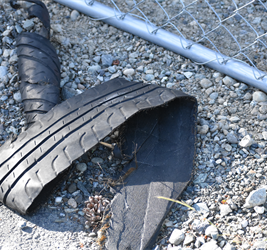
{"x": 198, "y": 53}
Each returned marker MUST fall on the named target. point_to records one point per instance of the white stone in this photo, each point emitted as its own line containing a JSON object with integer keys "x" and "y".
{"x": 188, "y": 74}
{"x": 189, "y": 238}
{"x": 199, "y": 241}
{"x": 176, "y": 237}
{"x": 244, "y": 223}
{"x": 246, "y": 141}
{"x": 3, "y": 72}
{"x": 228, "y": 246}
{"x": 81, "y": 167}
{"x": 28, "y": 24}
{"x": 128, "y": 72}
{"x": 117, "y": 74}
{"x": 74, "y": 15}
{"x": 17, "y": 96}
{"x": 256, "y": 198}
{"x": 6, "y": 53}
{"x": 264, "y": 134}
{"x": 212, "y": 231}
{"x": 58, "y": 199}
{"x": 202, "y": 208}
{"x": 72, "y": 203}
{"x": 259, "y": 96}
{"x": 211, "y": 245}
{"x": 13, "y": 59}
{"x": 259, "y": 210}
{"x": 225, "y": 209}
{"x": 22, "y": 224}
{"x": 205, "y": 83}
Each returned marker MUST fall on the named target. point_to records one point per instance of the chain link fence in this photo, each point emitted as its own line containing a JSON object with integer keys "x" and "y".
{"x": 235, "y": 30}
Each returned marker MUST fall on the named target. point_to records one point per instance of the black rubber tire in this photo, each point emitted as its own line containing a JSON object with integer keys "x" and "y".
{"x": 29, "y": 165}
{"x": 39, "y": 72}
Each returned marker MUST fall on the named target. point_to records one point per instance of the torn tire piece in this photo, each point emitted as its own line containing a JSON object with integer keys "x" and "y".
{"x": 164, "y": 138}
{"x": 30, "y": 166}
{"x": 39, "y": 10}
{"x": 39, "y": 68}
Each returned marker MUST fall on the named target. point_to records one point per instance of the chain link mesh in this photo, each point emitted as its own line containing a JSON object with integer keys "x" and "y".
{"x": 234, "y": 28}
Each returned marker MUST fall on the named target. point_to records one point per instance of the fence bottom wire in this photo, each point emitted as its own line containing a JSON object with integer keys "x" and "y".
{"x": 194, "y": 51}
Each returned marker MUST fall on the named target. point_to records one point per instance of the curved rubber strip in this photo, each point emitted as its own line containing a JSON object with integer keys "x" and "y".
{"x": 29, "y": 165}
{"x": 39, "y": 67}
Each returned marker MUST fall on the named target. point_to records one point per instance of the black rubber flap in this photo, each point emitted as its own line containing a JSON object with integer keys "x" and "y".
{"x": 158, "y": 123}
{"x": 164, "y": 139}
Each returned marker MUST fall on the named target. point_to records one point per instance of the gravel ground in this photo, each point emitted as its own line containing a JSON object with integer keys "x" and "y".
{"x": 229, "y": 185}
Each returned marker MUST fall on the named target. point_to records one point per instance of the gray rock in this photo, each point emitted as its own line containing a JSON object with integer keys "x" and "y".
{"x": 246, "y": 141}
{"x": 18, "y": 28}
{"x": 4, "y": 98}
{"x": 2, "y": 129}
{"x": 94, "y": 68}
{"x": 256, "y": 198}
{"x": 176, "y": 237}
{"x": 107, "y": 60}
{"x": 212, "y": 231}
{"x": 97, "y": 59}
{"x": 17, "y": 96}
{"x": 234, "y": 119}
{"x": 74, "y": 15}
{"x": 2, "y": 85}
{"x": 7, "y": 40}
{"x": 81, "y": 167}
{"x": 264, "y": 25}
{"x": 111, "y": 70}
{"x": 203, "y": 129}
{"x": 83, "y": 188}
{"x": 189, "y": 238}
{"x": 228, "y": 81}
{"x": 225, "y": 209}
{"x": 3, "y": 72}
{"x": 206, "y": 83}
{"x": 214, "y": 95}
{"x": 259, "y": 96}
{"x": 28, "y": 24}
{"x": 149, "y": 77}
{"x": 232, "y": 138}
{"x": 57, "y": 28}
{"x": 72, "y": 188}
{"x": 180, "y": 77}
{"x": 97, "y": 160}
{"x": 128, "y": 72}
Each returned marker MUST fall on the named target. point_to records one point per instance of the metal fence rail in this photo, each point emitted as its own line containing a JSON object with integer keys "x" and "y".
{"x": 228, "y": 35}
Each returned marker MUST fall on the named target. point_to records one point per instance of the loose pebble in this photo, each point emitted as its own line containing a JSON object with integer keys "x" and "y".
{"x": 256, "y": 198}
{"x": 176, "y": 237}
